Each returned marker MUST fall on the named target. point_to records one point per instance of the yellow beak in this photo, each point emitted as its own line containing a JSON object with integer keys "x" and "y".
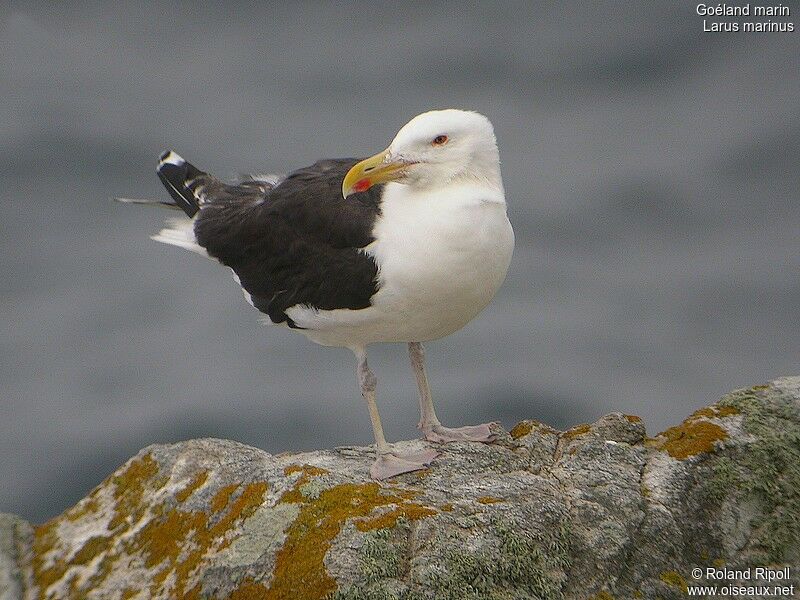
{"x": 373, "y": 170}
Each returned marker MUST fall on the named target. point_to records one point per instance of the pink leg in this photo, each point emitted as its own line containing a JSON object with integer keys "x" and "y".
{"x": 430, "y": 425}
{"x": 388, "y": 463}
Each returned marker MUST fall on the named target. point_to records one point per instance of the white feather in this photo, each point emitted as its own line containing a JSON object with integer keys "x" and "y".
{"x": 180, "y": 233}
{"x": 172, "y": 158}
{"x": 443, "y": 242}
{"x": 248, "y": 298}
{"x": 442, "y": 256}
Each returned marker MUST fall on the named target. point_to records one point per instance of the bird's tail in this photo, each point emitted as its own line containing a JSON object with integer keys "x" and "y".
{"x": 180, "y": 178}
{"x": 183, "y": 182}
{"x": 177, "y": 175}
{"x": 180, "y": 233}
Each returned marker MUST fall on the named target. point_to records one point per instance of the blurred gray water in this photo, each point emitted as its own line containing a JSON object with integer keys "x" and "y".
{"x": 652, "y": 177}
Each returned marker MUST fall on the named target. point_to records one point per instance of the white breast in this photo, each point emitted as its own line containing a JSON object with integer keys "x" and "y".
{"x": 441, "y": 258}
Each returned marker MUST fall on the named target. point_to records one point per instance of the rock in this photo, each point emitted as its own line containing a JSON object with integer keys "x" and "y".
{"x": 599, "y": 511}
{"x": 16, "y": 537}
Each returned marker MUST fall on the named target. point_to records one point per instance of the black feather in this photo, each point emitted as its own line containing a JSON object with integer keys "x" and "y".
{"x": 174, "y": 177}
{"x": 297, "y": 242}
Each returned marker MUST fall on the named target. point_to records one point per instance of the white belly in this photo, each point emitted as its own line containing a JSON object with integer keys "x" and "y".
{"x": 441, "y": 259}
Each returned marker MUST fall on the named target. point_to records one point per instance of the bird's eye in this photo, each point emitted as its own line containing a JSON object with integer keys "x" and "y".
{"x": 439, "y": 140}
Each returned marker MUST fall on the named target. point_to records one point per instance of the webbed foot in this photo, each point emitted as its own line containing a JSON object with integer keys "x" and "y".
{"x": 391, "y": 464}
{"x": 471, "y": 433}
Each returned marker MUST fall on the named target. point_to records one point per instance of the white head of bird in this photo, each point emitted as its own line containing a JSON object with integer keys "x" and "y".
{"x": 434, "y": 149}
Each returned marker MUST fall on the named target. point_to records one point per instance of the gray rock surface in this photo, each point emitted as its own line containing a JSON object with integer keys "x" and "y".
{"x": 16, "y": 538}
{"x": 600, "y": 511}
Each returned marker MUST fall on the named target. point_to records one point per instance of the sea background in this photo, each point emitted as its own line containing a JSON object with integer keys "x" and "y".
{"x": 651, "y": 171}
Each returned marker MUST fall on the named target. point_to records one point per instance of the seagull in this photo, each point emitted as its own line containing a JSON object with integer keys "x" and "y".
{"x": 405, "y": 246}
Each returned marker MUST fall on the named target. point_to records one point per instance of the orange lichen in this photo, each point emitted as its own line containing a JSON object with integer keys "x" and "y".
{"x": 446, "y": 507}
{"x": 162, "y": 539}
{"x": 128, "y": 489}
{"x": 193, "y": 594}
{"x": 179, "y": 540}
{"x": 521, "y": 429}
{"x": 410, "y": 511}
{"x": 703, "y": 412}
{"x": 696, "y": 435}
{"x": 90, "y": 549}
{"x": 242, "y": 508}
{"x": 674, "y": 579}
{"x": 422, "y": 473}
{"x": 251, "y": 590}
{"x": 172, "y": 541}
{"x": 693, "y": 436}
{"x": 576, "y": 431}
{"x": 87, "y": 506}
{"x": 45, "y": 540}
{"x": 489, "y": 500}
{"x": 194, "y": 484}
{"x": 633, "y": 418}
{"x": 299, "y": 565}
{"x": 712, "y": 412}
{"x": 305, "y": 469}
{"x": 103, "y": 569}
{"x": 163, "y": 542}
{"x": 220, "y": 499}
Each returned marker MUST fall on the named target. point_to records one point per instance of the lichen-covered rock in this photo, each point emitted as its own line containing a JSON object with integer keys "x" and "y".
{"x": 15, "y": 544}
{"x": 599, "y": 511}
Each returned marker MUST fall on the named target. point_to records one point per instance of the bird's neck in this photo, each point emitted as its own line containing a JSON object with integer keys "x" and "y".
{"x": 489, "y": 179}
{"x": 462, "y": 190}
{"x": 484, "y": 170}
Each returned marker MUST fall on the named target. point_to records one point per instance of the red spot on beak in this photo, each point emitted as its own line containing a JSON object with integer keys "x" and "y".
{"x": 362, "y": 185}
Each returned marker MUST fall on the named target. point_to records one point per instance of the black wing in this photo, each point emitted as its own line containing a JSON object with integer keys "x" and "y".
{"x": 297, "y": 242}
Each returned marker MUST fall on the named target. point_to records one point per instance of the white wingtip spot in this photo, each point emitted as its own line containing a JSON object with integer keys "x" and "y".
{"x": 171, "y": 158}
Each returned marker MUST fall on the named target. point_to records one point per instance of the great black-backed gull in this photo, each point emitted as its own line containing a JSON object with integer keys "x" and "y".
{"x": 408, "y": 245}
